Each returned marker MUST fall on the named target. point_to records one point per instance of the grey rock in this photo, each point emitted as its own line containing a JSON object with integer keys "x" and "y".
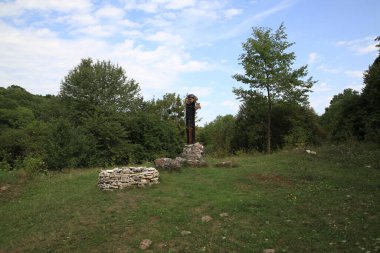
{"x": 206, "y": 218}
{"x": 145, "y": 244}
{"x": 184, "y": 232}
{"x": 125, "y": 177}
{"x": 167, "y": 163}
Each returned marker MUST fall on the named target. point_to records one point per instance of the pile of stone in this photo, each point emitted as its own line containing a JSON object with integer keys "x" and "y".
{"x": 168, "y": 163}
{"x": 192, "y": 155}
{"x": 120, "y": 178}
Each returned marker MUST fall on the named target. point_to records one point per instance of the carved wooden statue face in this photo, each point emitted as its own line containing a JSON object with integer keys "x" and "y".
{"x": 190, "y": 100}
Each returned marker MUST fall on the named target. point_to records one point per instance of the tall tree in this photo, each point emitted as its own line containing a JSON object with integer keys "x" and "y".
{"x": 99, "y": 86}
{"x": 268, "y": 71}
{"x": 99, "y": 97}
{"x": 370, "y": 98}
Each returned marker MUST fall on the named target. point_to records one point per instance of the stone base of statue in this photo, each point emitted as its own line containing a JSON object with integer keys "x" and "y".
{"x": 192, "y": 156}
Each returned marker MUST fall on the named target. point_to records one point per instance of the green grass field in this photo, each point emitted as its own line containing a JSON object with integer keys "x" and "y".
{"x": 290, "y": 201}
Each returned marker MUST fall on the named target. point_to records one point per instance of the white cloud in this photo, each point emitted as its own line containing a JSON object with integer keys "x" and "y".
{"x": 355, "y": 86}
{"x": 328, "y": 69}
{"x": 146, "y": 6}
{"x": 97, "y": 31}
{"x": 110, "y": 12}
{"x": 340, "y": 70}
{"x": 251, "y": 20}
{"x": 166, "y": 38}
{"x": 78, "y": 19}
{"x": 321, "y": 87}
{"x": 38, "y": 59}
{"x": 133, "y": 34}
{"x": 199, "y": 91}
{"x": 354, "y": 73}
{"x": 313, "y": 57}
{"x": 232, "y": 12}
{"x": 361, "y": 46}
{"x": 154, "y": 6}
{"x": 179, "y": 4}
{"x": 9, "y": 9}
{"x": 319, "y": 102}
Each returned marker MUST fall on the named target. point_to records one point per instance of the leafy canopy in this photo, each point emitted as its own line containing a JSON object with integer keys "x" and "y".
{"x": 100, "y": 85}
{"x": 268, "y": 68}
{"x": 269, "y": 73}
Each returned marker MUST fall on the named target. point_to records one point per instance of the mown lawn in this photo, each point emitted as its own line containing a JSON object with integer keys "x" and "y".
{"x": 289, "y": 201}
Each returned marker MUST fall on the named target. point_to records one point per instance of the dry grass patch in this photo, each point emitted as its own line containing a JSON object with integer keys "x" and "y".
{"x": 274, "y": 179}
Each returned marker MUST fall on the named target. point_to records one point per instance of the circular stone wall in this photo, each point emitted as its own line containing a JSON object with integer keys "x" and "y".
{"x": 120, "y": 178}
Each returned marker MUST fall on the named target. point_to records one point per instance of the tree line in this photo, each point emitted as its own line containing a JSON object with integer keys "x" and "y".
{"x": 99, "y": 117}
{"x": 275, "y": 111}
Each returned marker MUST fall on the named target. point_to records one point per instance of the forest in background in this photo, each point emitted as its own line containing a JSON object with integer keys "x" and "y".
{"x": 100, "y": 118}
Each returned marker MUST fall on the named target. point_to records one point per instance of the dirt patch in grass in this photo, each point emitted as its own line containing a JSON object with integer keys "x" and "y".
{"x": 10, "y": 191}
{"x": 272, "y": 179}
{"x": 123, "y": 201}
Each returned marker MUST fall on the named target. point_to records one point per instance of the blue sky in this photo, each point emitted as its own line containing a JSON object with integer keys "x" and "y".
{"x": 184, "y": 46}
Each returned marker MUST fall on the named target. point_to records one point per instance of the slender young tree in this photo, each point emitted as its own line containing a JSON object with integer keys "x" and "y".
{"x": 268, "y": 71}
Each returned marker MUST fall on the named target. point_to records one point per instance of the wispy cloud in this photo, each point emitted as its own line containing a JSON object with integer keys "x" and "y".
{"x": 360, "y": 46}
{"x": 354, "y": 73}
{"x": 355, "y": 86}
{"x": 321, "y": 87}
{"x": 254, "y": 19}
{"x": 201, "y": 91}
{"x": 340, "y": 70}
{"x": 30, "y": 55}
{"x": 230, "y": 13}
{"x": 313, "y": 58}
{"x": 328, "y": 69}
{"x": 18, "y": 7}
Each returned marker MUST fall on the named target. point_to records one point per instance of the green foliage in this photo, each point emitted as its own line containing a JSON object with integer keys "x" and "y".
{"x": 293, "y": 125}
{"x": 32, "y": 166}
{"x": 370, "y": 99}
{"x": 217, "y": 135}
{"x": 171, "y": 107}
{"x": 99, "y": 87}
{"x": 4, "y": 166}
{"x": 23, "y": 118}
{"x": 99, "y": 119}
{"x": 268, "y": 70}
{"x": 13, "y": 145}
{"x": 250, "y": 130}
{"x": 17, "y": 117}
{"x": 67, "y": 146}
{"x": 99, "y": 98}
{"x": 151, "y": 137}
{"x": 354, "y": 116}
{"x": 342, "y": 118}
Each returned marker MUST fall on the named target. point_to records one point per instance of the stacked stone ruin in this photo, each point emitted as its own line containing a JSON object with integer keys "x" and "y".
{"x": 125, "y": 177}
{"x": 192, "y": 155}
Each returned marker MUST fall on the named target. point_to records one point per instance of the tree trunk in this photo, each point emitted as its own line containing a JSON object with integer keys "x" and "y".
{"x": 269, "y": 134}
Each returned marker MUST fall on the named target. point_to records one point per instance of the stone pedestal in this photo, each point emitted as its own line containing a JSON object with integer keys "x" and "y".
{"x": 192, "y": 155}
